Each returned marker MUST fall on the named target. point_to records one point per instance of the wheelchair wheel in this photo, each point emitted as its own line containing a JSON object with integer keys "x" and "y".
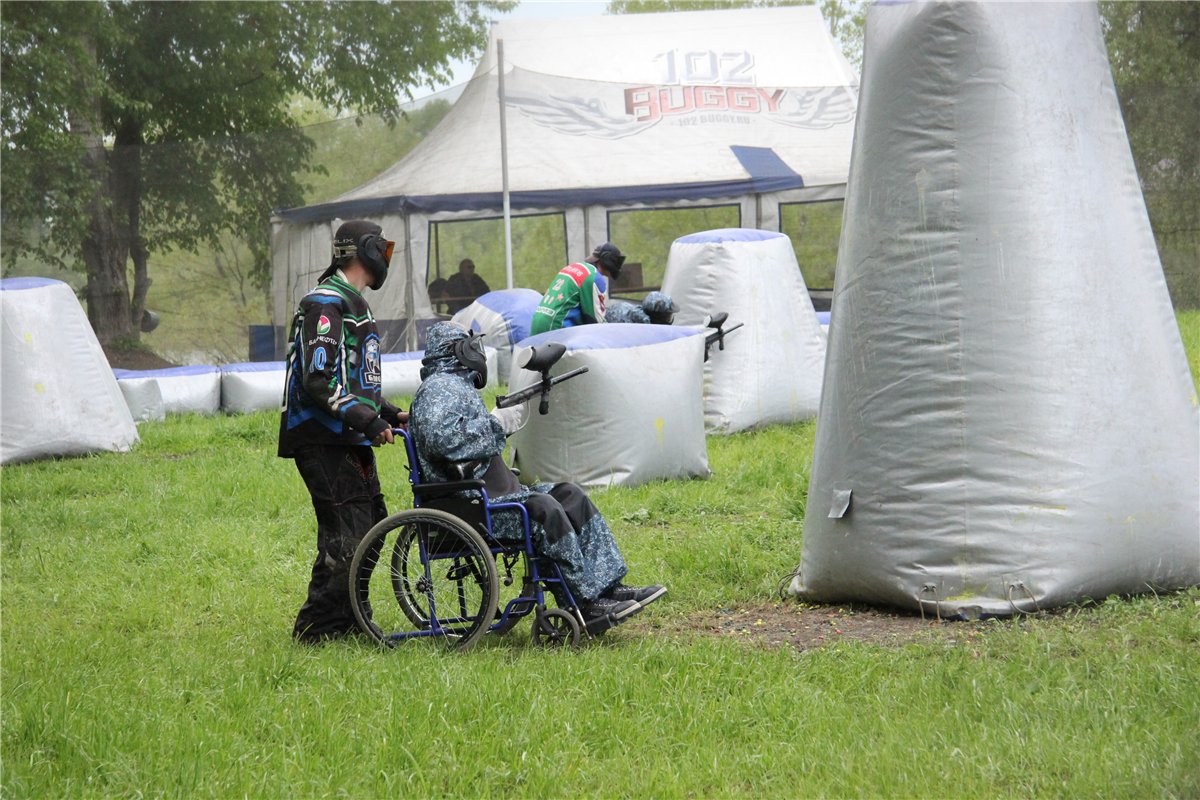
{"x": 424, "y": 573}
{"x": 554, "y": 627}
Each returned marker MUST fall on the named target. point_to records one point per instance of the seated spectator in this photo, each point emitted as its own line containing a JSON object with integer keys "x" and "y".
{"x": 439, "y": 295}
{"x": 464, "y": 286}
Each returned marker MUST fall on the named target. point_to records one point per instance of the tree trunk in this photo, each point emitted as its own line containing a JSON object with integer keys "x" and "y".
{"x": 127, "y": 166}
{"x": 105, "y": 249}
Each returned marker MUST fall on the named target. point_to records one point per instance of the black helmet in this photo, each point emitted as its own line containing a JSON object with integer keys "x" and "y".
{"x": 608, "y": 256}
{"x": 359, "y": 237}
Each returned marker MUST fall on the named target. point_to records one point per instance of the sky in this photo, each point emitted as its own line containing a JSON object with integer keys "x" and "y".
{"x": 528, "y": 9}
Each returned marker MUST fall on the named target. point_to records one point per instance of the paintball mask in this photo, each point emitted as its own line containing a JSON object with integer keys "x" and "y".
{"x": 660, "y": 308}
{"x": 609, "y": 257}
{"x": 470, "y": 354}
{"x": 364, "y": 239}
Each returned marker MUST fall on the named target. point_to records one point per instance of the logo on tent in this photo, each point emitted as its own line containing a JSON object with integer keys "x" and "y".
{"x": 615, "y": 111}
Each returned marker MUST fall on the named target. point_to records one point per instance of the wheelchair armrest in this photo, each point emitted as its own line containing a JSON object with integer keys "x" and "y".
{"x": 432, "y": 490}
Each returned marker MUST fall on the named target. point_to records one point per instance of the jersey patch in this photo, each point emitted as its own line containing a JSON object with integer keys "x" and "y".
{"x": 323, "y": 324}
{"x": 372, "y": 375}
{"x": 576, "y": 272}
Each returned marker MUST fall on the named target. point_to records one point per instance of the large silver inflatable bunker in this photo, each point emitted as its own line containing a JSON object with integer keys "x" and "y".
{"x": 635, "y": 416}
{"x": 1008, "y": 421}
{"x": 771, "y": 369}
{"x": 58, "y": 396}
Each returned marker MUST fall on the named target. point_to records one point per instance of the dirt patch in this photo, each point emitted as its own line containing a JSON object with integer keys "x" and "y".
{"x": 135, "y": 358}
{"x": 806, "y": 627}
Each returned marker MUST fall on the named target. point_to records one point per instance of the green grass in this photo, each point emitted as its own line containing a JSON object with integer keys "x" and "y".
{"x": 1189, "y": 330}
{"x": 147, "y": 600}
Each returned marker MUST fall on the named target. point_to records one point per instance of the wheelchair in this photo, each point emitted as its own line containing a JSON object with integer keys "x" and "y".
{"x": 435, "y": 570}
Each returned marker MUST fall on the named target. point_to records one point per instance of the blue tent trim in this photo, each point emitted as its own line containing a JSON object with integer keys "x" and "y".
{"x": 771, "y": 181}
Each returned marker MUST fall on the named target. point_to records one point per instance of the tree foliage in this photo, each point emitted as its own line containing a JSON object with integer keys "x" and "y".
{"x": 1154, "y": 48}
{"x": 138, "y": 128}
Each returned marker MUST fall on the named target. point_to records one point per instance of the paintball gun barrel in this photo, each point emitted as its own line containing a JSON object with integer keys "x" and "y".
{"x": 539, "y": 359}
{"x": 717, "y": 337}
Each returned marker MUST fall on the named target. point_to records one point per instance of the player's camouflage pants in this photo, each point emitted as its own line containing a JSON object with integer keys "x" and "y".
{"x": 568, "y": 529}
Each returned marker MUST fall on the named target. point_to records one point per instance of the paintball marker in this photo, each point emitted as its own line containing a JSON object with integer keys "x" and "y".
{"x": 717, "y": 337}
{"x": 539, "y": 359}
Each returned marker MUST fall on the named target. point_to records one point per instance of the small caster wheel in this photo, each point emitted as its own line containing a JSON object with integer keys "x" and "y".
{"x": 555, "y": 627}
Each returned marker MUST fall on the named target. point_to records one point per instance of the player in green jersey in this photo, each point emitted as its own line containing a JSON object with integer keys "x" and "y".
{"x": 579, "y": 292}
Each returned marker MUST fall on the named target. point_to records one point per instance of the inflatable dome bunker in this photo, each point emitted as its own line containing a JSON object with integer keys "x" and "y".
{"x": 635, "y": 416}
{"x": 503, "y": 317}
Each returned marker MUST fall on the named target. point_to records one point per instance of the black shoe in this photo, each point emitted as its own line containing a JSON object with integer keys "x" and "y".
{"x": 644, "y": 595}
{"x": 604, "y": 612}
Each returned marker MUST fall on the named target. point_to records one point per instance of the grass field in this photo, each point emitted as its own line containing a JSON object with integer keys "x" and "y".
{"x": 147, "y": 600}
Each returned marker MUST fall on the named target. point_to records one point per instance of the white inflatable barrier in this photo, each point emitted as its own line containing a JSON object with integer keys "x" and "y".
{"x": 143, "y": 399}
{"x": 503, "y": 318}
{"x": 58, "y": 396}
{"x": 771, "y": 369}
{"x": 185, "y": 390}
{"x": 401, "y": 373}
{"x": 637, "y": 415}
{"x": 1008, "y": 424}
{"x": 252, "y": 386}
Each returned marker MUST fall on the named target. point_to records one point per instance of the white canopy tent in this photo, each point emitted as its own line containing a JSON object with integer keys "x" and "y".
{"x": 748, "y": 107}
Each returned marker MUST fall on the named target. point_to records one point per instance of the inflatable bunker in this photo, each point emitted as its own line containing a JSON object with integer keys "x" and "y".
{"x": 503, "y": 317}
{"x": 252, "y": 386}
{"x": 635, "y": 416}
{"x": 184, "y": 390}
{"x": 58, "y": 396}
{"x": 771, "y": 369}
{"x": 1008, "y": 424}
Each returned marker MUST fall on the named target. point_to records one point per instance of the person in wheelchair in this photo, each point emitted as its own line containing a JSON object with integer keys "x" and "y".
{"x": 455, "y": 438}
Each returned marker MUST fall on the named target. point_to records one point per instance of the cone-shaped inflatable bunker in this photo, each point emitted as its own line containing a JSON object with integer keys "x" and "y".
{"x": 770, "y": 370}
{"x": 59, "y": 397}
{"x": 1008, "y": 420}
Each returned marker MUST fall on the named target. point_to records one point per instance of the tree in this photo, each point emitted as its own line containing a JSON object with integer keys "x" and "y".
{"x": 1154, "y": 48}
{"x": 138, "y": 128}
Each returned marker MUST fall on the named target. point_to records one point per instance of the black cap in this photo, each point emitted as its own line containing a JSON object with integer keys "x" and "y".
{"x": 345, "y": 243}
{"x": 607, "y": 255}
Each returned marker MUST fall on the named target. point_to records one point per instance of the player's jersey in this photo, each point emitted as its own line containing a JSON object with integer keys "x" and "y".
{"x": 577, "y": 296}
{"x": 334, "y": 376}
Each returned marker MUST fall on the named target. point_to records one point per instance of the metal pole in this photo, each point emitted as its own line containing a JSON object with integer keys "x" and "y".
{"x": 410, "y": 304}
{"x": 508, "y": 265}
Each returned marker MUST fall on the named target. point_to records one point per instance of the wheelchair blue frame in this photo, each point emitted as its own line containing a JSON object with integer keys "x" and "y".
{"x": 541, "y": 574}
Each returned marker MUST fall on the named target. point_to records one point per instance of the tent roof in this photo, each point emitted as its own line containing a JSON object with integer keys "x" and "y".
{"x": 632, "y": 109}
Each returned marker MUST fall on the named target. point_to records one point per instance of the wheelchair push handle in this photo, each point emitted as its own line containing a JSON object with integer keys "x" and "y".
{"x": 540, "y": 359}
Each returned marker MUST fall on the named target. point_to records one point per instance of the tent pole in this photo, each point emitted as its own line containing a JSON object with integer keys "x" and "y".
{"x": 410, "y": 304}
{"x": 508, "y": 265}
